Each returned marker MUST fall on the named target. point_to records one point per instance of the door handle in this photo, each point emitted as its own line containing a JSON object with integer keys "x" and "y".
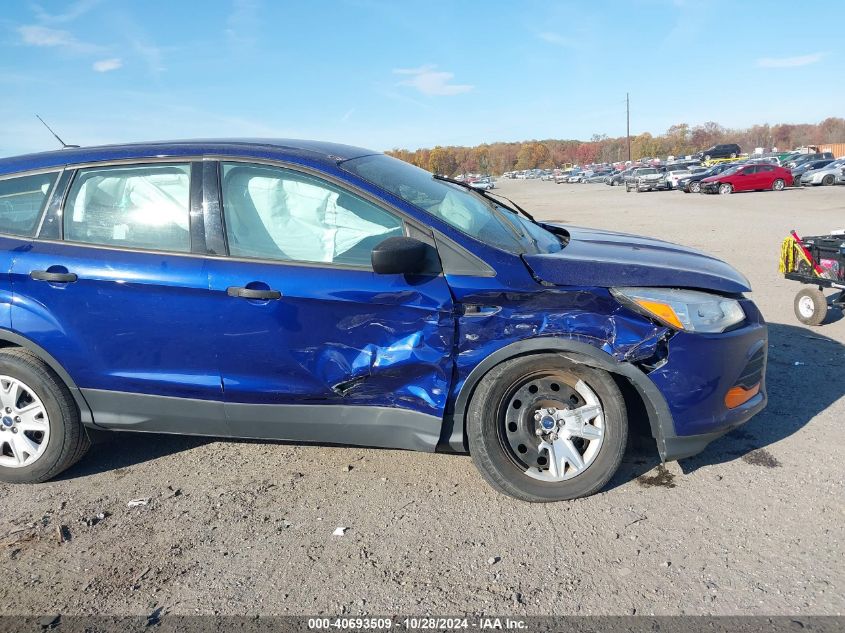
{"x": 44, "y": 275}
{"x": 252, "y": 293}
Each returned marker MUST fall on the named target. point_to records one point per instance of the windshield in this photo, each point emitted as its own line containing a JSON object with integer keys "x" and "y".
{"x": 466, "y": 210}
{"x": 645, "y": 172}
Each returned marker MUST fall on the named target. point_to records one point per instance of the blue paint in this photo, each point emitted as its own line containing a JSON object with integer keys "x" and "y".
{"x": 155, "y": 323}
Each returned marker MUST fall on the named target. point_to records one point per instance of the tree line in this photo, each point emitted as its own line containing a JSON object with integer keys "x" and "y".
{"x": 678, "y": 140}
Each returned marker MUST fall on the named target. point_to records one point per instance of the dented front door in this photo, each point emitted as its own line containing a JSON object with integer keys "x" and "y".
{"x": 333, "y": 354}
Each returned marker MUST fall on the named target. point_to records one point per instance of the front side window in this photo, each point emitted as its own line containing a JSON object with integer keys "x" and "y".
{"x": 275, "y": 213}
{"x": 22, "y": 200}
{"x": 144, "y": 206}
{"x": 465, "y": 210}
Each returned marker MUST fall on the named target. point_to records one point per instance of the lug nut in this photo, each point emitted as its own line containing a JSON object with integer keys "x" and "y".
{"x": 17, "y": 418}
{"x": 14, "y": 429}
{"x": 8, "y": 409}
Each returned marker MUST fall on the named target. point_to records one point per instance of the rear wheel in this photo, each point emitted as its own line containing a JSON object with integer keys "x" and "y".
{"x": 778, "y": 185}
{"x": 810, "y": 306}
{"x": 733, "y": 154}
{"x": 726, "y": 188}
{"x": 541, "y": 428}
{"x": 40, "y": 431}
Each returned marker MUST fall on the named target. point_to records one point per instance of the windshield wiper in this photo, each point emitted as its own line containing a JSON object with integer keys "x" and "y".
{"x": 489, "y": 196}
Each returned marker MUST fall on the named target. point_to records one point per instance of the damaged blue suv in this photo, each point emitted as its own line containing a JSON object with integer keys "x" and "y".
{"x": 313, "y": 292}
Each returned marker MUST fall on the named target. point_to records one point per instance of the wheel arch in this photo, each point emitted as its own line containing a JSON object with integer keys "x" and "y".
{"x": 13, "y": 339}
{"x": 454, "y": 439}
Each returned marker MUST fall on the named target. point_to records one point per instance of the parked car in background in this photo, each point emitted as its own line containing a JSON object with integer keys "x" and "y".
{"x": 645, "y": 179}
{"x": 799, "y": 170}
{"x": 825, "y": 175}
{"x": 200, "y": 287}
{"x": 673, "y": 173}
{"x": 806, "y": 158}
{"x": 599, "y": 176}
{"x": 724, "y": 150}
{"x": 485, "y": 183}
{"x": 748, "y": 178}
{"x": 692, "y": 183}
{"x": 618, "y": 178}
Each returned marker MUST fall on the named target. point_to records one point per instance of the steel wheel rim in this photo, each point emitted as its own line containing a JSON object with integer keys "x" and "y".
{"x": 806, "y": 307}
{"x": 553, "y": 427}
{"x": 25, "y": 425}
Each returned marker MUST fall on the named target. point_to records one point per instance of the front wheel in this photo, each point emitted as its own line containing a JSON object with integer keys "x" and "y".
{"x": 828, "y": 180}
{"x": 810, "y": 306}
{"x": 695, "y": 187}
{"x": 726, "y": 188}
{"x": 542, "y": 428}
{"x": 778, "y": 185}
{"x": 40, "y": 431}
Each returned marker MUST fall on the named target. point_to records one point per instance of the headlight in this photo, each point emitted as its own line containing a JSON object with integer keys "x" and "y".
{"x": 688, "y": 310}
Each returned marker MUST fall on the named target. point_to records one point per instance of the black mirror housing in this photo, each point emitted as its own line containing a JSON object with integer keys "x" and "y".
{"x": 399, "y": 256}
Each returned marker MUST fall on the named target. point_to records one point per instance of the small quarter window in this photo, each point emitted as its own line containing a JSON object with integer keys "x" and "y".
{"x": 22, "y": 200}
{"x": 132, "y": 207}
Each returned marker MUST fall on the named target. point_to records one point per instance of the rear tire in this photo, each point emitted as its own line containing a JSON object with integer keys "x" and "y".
{"x": 810, "y": 306}
{"x": 66, "y": 439}
{"x": 496, "y": 421}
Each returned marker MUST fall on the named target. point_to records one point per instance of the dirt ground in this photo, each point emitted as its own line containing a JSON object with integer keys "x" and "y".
{"x": 754, "y": 525}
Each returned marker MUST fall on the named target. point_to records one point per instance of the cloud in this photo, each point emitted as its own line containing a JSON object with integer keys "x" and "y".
{"x": 556, "y": 38}
{"x": 430, "y": 82}
{"x": 242, "y": 24}
{"x": 73, "y": 11}
{"x": 35, "y": 35}
{"x": 790, "y": 62}
{"x": 106, "y": 65}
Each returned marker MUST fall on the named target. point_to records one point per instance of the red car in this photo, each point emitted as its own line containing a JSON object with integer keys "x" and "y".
{"x": 748, "y": 178}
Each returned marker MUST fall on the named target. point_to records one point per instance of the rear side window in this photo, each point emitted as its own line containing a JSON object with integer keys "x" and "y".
{"x": 131, "y": 207}
{"x": 22, "y": 200}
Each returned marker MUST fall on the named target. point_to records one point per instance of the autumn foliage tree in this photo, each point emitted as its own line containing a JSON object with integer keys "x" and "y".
{"x": 679, "y": 140}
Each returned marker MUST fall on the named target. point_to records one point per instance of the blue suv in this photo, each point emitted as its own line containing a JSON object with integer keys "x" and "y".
{"x": 313, "y": 292}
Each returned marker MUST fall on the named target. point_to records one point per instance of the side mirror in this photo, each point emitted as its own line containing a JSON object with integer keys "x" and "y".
{"x": 399, "y": 256}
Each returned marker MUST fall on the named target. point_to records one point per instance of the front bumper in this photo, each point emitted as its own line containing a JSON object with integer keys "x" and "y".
{"x": 699, "y": 371}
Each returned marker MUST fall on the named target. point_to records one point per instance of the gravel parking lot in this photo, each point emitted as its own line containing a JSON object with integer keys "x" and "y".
{"x": 754, "y": 525}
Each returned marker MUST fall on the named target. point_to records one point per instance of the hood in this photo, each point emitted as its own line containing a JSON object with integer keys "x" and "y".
{"x": 712, "y": 178}
{"x": 604, "y": 258}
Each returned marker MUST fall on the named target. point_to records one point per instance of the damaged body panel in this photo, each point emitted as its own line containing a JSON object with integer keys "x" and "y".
{"x": 606, "y": 259}
{"x": 357, "y": 340}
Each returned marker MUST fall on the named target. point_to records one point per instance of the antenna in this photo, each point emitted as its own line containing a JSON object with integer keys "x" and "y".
{"x": 64, "y": 145}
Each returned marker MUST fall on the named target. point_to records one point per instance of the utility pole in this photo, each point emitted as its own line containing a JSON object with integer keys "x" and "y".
{"x": 628, "y": 123}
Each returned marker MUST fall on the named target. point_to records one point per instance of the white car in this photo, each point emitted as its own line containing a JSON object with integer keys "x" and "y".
{"x": 674, "y": 174}
{"x": 482, "y": 183}
{"x": 827, "y": 175}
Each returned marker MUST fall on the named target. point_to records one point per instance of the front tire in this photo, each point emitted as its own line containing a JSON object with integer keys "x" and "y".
{"x": 41, "y": 432}
{"x": 828, "y": 180}
{"x": 810, "y": 306}
{"x": 695, "y": 187}
{"x": 778, "y": 185}
{"x": 542, "y": 428}
{"x": 726, "y": 188}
